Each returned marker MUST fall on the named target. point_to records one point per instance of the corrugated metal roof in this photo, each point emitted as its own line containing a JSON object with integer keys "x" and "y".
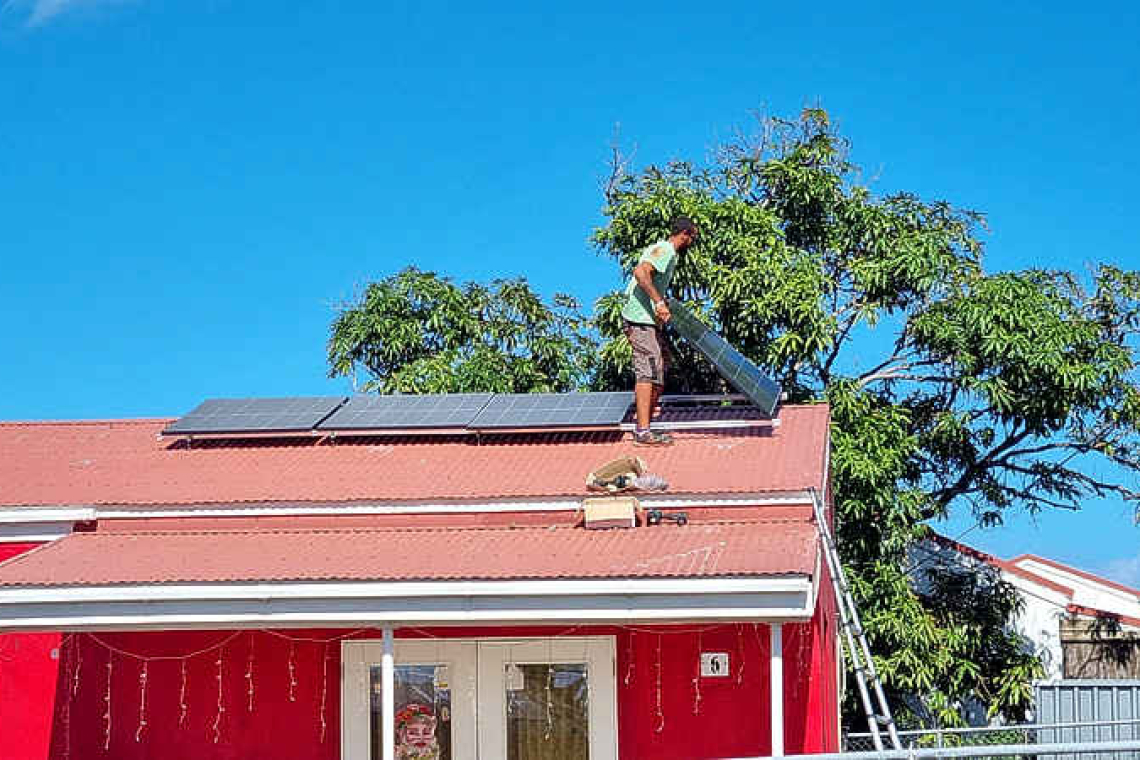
{"x": 720, "y": 550}
{"x": 125, "y": 462}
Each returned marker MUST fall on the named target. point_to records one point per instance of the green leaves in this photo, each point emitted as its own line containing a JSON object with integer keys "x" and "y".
{"x": 416, "y": 332}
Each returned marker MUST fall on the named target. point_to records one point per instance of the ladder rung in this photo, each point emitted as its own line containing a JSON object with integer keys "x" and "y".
{"x": 862, "y": 661}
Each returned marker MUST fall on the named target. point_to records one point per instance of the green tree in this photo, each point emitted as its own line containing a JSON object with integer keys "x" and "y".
{"x": 950, "y": 388}
{"x": 417, "y": 332}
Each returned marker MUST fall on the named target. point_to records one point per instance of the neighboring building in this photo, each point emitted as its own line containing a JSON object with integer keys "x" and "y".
{"x": 1080, "y": 625}
{"x": 266, "y": 598}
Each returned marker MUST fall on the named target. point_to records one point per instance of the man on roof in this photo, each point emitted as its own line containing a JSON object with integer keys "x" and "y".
{"x": 645, "y": 314}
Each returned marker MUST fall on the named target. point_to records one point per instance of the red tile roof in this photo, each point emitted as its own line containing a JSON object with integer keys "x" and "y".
{"x": 1001, "y": 564}
{"x": 1096, "y": 579}
{"x": 765, "y": 548}
{"x": 124, "y": 462}
{"x": 1089, "y": 612}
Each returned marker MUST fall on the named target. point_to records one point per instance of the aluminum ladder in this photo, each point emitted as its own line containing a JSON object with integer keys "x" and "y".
{"x": 878, "y": 712}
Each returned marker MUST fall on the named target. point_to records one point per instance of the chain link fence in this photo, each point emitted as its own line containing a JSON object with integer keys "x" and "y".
{"x": 1044, "y": 733}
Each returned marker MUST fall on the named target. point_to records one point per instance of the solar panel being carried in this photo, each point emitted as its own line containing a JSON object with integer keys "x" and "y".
{"x": 742, "y": 374}
{"x": 444, "y": 411}
{"x": 580, "y": 411}
{"x": 255, "y": 415}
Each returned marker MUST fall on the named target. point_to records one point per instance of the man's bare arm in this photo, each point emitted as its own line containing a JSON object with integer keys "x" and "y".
{"x": 643, "y": 273}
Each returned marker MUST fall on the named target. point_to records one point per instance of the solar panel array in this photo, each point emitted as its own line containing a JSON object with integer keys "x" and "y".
{"x": 467, "y": 412}
{"x": 458, "y": 412}
{"x": 742, "y": 374}
{"x": 256, "y": 415}
{"x": 508, "y": 411}
{"x": 435, "y": 411}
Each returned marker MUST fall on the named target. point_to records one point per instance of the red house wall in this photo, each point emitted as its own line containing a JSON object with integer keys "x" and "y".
{"x": 811, "y": 704}
{"x": 28, "y": 674}
{"x": 727, "y": 716}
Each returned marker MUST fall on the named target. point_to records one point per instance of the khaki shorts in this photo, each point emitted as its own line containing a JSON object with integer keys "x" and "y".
{"x": 649, "y": 353}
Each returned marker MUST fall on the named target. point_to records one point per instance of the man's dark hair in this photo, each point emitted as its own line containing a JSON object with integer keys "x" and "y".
{"x": 685, "y": 224}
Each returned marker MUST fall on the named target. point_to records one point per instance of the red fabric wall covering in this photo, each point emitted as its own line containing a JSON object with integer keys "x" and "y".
{"x": 733, "y": 715}
{"x": 28, "y": 673}
{"x": 276, "y": 728}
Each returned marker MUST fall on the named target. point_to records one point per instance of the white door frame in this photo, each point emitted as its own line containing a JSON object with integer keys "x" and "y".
{"x": 478, "y": 690}
{"x": 597, "y": 652}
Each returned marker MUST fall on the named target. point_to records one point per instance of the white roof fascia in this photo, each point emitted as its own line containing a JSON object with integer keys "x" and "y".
{"x": 161, "y": 606}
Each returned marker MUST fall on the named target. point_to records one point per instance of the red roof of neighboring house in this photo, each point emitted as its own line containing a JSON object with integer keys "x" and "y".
{"x": 125, "y": 462}
{"x": 1082, "y": 611}
{"x": 762, "y": 548}
{"x": 1001, "y": 564}
{"x": 1074, "y": 571}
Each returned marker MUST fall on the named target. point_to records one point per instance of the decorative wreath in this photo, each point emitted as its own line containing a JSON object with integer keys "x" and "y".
{"x": 411, "y": 712}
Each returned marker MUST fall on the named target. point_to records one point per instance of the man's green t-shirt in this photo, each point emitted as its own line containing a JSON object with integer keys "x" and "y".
{"x": 638, "y": 308}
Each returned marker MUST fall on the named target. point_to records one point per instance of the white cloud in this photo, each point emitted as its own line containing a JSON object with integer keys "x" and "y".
{"x": 40, "y": 12}
{"x": 1125, "y": 570}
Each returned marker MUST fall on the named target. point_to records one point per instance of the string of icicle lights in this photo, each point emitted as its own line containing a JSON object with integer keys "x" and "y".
{"x": 242, "y": 644}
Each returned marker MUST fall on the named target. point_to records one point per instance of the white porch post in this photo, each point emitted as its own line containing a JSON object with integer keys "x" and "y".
{"x": 388, "y": 694}
{"x": 776, "y": 679}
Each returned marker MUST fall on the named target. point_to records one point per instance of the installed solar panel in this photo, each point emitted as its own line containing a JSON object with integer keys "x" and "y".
{"x": 742, "y": 374}
{"x": 406, "y": 412}
{"x": 553, "y": 410}
{"x": 255, "y": 415}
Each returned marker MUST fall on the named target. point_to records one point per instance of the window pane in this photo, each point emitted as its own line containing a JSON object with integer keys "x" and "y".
{"x": 547, "y": 712}
{"x": 423, "y": 712}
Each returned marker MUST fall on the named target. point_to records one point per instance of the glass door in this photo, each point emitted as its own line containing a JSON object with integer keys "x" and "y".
{"x": 548, "y": 699}
{"x": 516, "y": 699}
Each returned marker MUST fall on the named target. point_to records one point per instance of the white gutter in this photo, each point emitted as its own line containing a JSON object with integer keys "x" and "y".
{"x": 45, "y": 514}
{"x": 40, "y": 524}
{"x": 414, "y": 507}
{"x": 377, "y": 590}
{"x": 436, "y": 603}
{"x": 34, "y": 533}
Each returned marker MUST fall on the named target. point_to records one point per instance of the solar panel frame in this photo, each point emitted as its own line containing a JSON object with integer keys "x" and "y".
{"x": 385, "y": 414}
{"x": 733, "y": 366}
{"x": 290, "y": 414}
{"x": 554, "y": 411}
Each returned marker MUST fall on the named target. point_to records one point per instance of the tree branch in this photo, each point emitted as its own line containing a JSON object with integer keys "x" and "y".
{"x": 944, "y": 496}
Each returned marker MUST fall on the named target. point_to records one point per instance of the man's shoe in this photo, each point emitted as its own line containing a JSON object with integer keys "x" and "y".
{"x": 651, "y": 438}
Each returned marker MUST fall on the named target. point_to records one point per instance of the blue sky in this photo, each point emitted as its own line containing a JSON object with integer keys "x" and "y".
{"x": 187, "y": 189}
